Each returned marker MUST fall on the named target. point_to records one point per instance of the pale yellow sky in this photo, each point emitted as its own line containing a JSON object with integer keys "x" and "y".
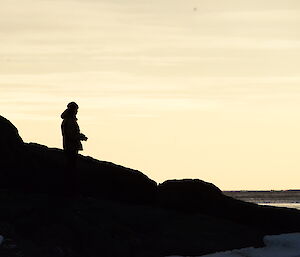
{"x": 205, "y": 89}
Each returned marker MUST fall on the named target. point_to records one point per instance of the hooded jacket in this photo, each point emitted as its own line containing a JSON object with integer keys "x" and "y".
{"x": 70, "y": 132}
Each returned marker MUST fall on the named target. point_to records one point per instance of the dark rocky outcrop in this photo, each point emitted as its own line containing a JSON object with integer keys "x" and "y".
{"x": 121, "y": 212}
{"x": 11, "y": 149}
{"x": 37, "y": 168}
{"x": 189, "y": 195}
{"x": 196, "y": 196}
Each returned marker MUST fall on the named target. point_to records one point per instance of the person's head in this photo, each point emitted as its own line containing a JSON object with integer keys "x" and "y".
{"x": 73, "y": 107}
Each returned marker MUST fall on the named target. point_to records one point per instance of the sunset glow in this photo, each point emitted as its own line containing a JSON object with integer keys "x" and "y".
{"x": 206, "y": 89}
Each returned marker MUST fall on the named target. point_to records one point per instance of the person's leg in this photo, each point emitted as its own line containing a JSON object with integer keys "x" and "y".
{"x": 71, "y": 171}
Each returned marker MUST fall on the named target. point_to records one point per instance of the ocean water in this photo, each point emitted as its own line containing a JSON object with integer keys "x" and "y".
{"x": 287, "y": 205}
{"x": 279, "y": 198}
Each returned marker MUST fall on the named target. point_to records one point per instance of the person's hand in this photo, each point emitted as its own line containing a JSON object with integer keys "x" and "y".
{"x": 83, "y": 137}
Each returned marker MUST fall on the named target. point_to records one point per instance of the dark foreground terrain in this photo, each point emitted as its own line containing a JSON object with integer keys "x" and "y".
{"x": 118, "y": 212}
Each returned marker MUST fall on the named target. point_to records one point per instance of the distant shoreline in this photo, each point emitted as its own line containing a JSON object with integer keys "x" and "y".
{"x": 264, "y": 196}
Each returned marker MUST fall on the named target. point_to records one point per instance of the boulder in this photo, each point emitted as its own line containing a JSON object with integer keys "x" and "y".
{"x": 189, "y": 195}
{"x": 197, "y": 196}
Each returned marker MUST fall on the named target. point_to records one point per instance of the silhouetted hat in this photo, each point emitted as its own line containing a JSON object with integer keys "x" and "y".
{"x": 72, "y": 105}
{"x": 69, "y": 112}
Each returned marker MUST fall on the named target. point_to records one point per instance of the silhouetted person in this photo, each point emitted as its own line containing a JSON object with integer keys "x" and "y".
{"x": 72, "y": 144}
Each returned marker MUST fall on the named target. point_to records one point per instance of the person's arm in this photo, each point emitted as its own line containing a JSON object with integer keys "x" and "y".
{"x": 71, "y": 131}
